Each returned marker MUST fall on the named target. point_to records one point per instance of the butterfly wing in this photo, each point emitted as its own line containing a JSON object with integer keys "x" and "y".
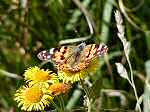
{"x": 93, "y": 50}
{"x": 63, "y": 55}
{"x": 67, "y": 54}
{"x": 44, "y": 55}
{"x": 81, "y": 57}
{"x": 73, "y": 57}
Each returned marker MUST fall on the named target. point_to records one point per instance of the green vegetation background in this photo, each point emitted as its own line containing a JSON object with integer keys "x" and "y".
{"x": 29, "y": 26}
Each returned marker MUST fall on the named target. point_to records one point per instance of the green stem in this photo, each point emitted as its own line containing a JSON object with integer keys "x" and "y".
{"x": 62, "y": 103}
{"x": 56, "y": 106}
{"x": 73, "y": 100}
{"x": 132, "y": 82}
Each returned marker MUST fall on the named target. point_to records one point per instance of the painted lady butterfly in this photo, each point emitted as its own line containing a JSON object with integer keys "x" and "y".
{"x": 73, "y": 58}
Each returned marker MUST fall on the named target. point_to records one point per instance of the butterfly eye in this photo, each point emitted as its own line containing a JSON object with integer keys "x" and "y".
{"x": 44, "y": 55}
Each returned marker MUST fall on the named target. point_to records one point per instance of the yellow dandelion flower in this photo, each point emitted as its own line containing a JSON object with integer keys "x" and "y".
{"x": 35, "y": 74}
{"x": 81, "y": 73}
{"x": 32, "y": 98}
{"x": 58, "y": 88}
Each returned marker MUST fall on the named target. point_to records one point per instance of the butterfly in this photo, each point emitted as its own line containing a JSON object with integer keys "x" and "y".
{"x": 73, "y": 58}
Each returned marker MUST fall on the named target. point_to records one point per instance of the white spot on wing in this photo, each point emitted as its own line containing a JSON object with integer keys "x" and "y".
{"x": 100, "y": 47}
{"x": 51, "y": 51}
{"x": 44, "y": 51}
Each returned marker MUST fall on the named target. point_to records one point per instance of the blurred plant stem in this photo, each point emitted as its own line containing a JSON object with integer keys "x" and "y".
{"x": 11, "y": 75}
{"x": 74, "y": 98}
{"x": 147, "y": 88}
{"x": 90, "y": 22}
{"x": 106, "y": 20}
{"x": 87, "y": 15}
{"x": 106, "y": 58}
{"x": 61, "y": 106}
{"x": 24, "y": 19}
{"x": 71, "y": 41}
{"x": 122, "y": 8}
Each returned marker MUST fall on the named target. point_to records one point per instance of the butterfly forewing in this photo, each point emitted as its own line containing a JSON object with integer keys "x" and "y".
{"x": 44, "y": 55}
{"x": 93, "y": 50}
{"x": 62, "y": 54}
